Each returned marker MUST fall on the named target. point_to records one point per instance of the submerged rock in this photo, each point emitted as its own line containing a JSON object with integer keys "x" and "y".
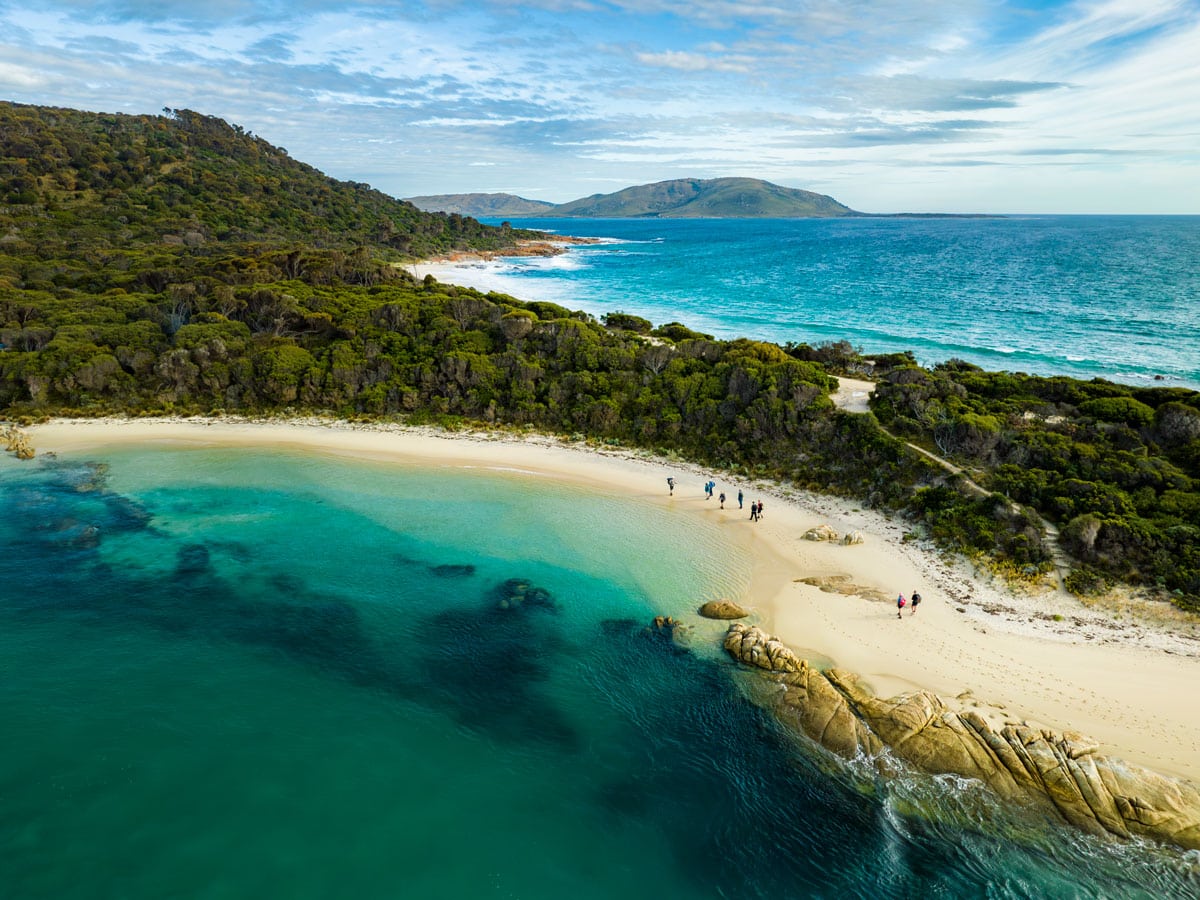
{"x": 1066, "y": 772}
{"x": 723, "y": 609}
{"x": 518, "y": 592}
{"x": 452, "y": 570}
{"x": 670, "y": 629}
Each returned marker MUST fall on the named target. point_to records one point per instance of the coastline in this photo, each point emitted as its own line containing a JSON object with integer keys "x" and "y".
{"x": 1118, "y": 673}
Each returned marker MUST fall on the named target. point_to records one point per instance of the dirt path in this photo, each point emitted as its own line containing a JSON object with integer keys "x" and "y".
{"x": 854, "y": 396}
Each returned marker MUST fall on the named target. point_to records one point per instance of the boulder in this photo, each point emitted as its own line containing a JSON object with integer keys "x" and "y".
{"x": 17, "y": 442}
{"x": 723, "y": 609}
{"x": 1065, "y": 772}
{"x": 852, "y": 537}
{"x": 821, "y": 533}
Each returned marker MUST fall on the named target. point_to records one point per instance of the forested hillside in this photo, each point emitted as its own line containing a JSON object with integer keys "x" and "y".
{"x": 1114, "y": 467}
{"x": 74, "y": 181}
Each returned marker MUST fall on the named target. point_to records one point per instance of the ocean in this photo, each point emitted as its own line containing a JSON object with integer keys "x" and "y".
{"x": 237, "y": 673}
{"x": 1114, "y": 297}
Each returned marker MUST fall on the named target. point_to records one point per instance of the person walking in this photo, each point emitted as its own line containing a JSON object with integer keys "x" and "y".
{"x": 754, "y": 511}
{"x": 900, "y": 601}
{"x": 722, "y": 498}
{"x": 739, "y": 499}
{"x": 760, "y": 505}
{"x": 916, "y": 601}
{"x": 671, "y": 485}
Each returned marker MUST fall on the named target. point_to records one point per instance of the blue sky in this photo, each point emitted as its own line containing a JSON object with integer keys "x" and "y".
{"x": 887, "y": 105}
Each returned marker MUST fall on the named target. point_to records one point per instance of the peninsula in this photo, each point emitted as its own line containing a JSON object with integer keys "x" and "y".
{"x": 177, "y": 266}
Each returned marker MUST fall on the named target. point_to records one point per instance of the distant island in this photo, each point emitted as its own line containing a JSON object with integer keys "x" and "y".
{"x": 682, "y": 198}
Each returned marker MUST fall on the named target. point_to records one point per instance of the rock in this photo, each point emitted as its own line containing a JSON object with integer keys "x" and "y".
{"x": 670, "y": 629}
{"x": 853, "y": 537}
{"x": 519, "y": 592}
{"x": 723, "y": 609}
{"x": 1063, "y": 772}
{"x": 17, "y": 442}
{"x": 821, "y": 533}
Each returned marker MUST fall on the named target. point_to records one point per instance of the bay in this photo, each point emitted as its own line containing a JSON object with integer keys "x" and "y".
{"x": 235, "y": 673}
{"x": 1115, "y": 297}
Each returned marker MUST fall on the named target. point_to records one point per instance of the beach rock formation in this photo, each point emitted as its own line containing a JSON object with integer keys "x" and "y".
{"x": 723, "y": 609}
{"x": 1064, "y": 772}
{"x": 821, "y": 533}
{"x": 852, "y": 537}
{"x": 16, "y": 441}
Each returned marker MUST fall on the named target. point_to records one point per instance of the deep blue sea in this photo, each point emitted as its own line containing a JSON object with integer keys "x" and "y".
{"x": 1116, "y": 297}
{"x": 228, "y": 673}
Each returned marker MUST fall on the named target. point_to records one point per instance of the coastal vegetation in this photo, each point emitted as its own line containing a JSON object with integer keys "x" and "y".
{"x": 176, "y": 264}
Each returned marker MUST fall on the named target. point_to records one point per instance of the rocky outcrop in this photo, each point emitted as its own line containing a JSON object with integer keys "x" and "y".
{"x": 16, "y": 441}
{"x": 851, "y": 538}
{"x": 723, "y": 609}
{"x": 821, "y": 533}
{"x": 1066, "y": 772}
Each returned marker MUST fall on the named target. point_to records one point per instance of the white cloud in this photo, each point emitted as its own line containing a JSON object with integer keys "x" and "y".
{"x": 20, "y": 76}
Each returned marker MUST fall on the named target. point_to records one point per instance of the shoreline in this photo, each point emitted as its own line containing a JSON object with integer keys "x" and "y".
{"x": 1118, "y": 672}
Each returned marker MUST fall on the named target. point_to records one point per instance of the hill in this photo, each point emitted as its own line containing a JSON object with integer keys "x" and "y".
{"x": 69, "y": 176}
{"x": 491, "y": 205}
{"x": 715, "y": 198}
{"x": 742, "y": 198}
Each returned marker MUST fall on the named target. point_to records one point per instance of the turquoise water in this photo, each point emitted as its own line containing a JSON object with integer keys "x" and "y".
{"x": 231, "y": 673}
{"x": 1116, "y": 297}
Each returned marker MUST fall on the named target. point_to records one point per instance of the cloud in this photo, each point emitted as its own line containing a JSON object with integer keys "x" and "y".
{"x": 427, "y": 96}
{"x": 691, "y": 62}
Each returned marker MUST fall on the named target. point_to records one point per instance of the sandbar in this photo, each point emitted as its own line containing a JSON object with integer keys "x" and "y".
{"x": 1121, "y": 672}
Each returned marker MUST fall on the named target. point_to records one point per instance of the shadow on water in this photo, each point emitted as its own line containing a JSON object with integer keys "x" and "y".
{"x": 481, "y": 665}
{"x": 488, "y": 664}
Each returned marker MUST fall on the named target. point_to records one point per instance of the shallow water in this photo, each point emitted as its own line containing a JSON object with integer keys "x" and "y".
{"x": 1116, "y": 297}
{"x": 232, "y": 673}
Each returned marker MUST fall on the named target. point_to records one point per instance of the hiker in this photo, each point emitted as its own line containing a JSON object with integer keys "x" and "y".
{"x": 722, "y": 499}
{"x": 900, "y": 601}
{"x": 754, "y": 511}
{"x": 739, "y": 499}
{"x": 916, "y": 601}
{"x": 671, "y": 485}
{"x": 760, "y": 505}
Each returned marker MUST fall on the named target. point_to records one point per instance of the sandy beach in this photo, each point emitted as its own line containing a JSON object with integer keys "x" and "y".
{"x": 1121, "y": 672}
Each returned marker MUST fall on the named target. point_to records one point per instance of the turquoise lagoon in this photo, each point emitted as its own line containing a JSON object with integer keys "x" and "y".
{"x": 231, "y": 673}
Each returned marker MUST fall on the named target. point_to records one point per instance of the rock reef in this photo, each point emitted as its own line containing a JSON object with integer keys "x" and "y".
{"x": 1064, "y": 772}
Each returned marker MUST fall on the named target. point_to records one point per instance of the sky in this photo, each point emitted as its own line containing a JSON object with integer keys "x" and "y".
{"x": 1004, "y": 106}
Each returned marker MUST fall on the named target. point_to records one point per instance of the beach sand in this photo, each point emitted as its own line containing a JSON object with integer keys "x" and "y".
{"x": 1122, "y": 673}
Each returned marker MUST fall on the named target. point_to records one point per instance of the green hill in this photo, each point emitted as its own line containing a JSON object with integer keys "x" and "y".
{"x": 69, "y": 177}
{"x": 717, "y": 198}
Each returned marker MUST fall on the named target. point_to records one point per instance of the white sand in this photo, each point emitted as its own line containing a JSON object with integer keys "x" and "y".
{"x": 1125, "y": 675}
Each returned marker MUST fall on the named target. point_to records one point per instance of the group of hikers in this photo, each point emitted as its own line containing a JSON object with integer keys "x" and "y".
{"x": 710, "y": 487}
{"x": 901, "y": 603}
{"x": 756, "y": 512}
